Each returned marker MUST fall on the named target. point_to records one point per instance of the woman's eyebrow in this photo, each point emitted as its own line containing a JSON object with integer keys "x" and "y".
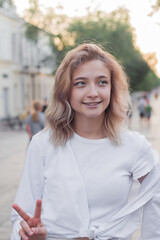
{"x": 103, "y": 76}
{"x": 84, "y": 78}
{"x": 79, "y": 78}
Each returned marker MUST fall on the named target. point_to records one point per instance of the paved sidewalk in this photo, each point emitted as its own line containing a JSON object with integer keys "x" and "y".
{"x": 13, "y": 145}
{"x": 152, "y": 133}
{"x": 12, "y": 151}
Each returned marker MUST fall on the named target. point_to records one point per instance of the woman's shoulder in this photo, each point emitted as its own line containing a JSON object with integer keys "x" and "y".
{"x": 132, "y": 137}
{"x": 43, "y": 137}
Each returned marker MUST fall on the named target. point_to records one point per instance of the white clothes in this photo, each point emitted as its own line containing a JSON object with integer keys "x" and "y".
{"x": 71, "y": 206}
{"x": 107, "y": 171}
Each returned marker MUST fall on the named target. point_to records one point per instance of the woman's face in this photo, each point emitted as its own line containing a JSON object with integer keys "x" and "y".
{"x": 91, "y": 90}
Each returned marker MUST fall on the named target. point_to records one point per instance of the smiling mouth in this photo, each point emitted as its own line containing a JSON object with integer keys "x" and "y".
{"x": 92, "y": 103}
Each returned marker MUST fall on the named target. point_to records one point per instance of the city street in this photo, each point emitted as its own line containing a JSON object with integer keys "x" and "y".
{"x": 13, "y": 145}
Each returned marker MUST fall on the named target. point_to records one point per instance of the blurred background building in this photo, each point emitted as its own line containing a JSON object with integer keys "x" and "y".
{"x": 24, "y": 76}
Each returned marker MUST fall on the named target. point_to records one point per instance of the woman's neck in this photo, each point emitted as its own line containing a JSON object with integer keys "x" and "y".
{"x": 90, "y": 128}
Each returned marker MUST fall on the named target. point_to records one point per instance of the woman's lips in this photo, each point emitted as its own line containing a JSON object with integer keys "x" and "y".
{"x": 91, "y": 104}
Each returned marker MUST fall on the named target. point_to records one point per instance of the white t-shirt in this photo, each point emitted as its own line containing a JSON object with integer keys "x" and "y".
{"x": 108, "y": 171}
{"x": 81, "y": 184}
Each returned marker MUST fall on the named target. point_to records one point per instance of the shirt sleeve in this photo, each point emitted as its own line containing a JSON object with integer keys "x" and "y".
{"x": 31, "y": 185}
{"x": 150, "y": 229}
{"x": 146, "y": 159}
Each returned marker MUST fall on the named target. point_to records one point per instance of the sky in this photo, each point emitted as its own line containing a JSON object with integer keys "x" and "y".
{"x": 147, "y": 29}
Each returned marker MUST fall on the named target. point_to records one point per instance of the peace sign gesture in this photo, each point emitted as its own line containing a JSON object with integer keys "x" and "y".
{"x": 32, "y": 227}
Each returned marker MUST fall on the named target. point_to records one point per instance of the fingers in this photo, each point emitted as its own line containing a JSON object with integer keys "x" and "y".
{"x": 37, "y": 233}
{"x": 24, "y": 215}
{"x": 26, "y": 229}
{"x": 23, "y": 235}
{"x": 37, "y": 212}
{"x": 41, "y": 231}
{"x": 21, "y": 212}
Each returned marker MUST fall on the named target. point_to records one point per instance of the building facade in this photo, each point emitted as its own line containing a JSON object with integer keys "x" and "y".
{"x": 23, "y": 75}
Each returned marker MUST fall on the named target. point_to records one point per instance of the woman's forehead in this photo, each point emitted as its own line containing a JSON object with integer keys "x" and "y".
{"x": 92, "y": 66}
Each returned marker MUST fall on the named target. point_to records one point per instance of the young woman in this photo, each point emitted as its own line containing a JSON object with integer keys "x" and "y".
{"x": 79, "y": 171}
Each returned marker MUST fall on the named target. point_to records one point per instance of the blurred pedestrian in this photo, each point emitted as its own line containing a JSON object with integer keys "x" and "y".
{"x": 36, "y": 119}
{"x": 148, "y": 113}
{"x": 45, "y": 105}
{"x": 141, "y": 109}
{"x": 129, "y": 118}
{"x": 79, "y": 171}
{"x": 156, "y": 95}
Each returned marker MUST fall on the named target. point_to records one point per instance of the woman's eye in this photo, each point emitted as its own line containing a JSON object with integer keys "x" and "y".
{"x": 79, "y": 84}
{"x": 103, "y": 82}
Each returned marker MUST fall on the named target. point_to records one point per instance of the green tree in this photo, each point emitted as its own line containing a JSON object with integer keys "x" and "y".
{"x": 116, "y": 35}
{"x": 113, "y": 31}
{"x": 50, "y": 22}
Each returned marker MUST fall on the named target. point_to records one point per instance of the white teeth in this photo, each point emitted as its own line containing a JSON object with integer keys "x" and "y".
{"x": 92, "y": 104}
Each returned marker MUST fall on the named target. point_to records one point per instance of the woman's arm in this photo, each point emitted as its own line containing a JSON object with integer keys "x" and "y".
{"x": 146, "y": 170}
{"x": 150, "y": 228}
{"x": 31, "y": 185}
{"x": 142, "y": 178}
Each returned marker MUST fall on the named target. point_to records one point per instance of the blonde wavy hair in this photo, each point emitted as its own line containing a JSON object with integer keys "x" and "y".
{"x": 60, "y": 115}
{"x": 35, "y": 108}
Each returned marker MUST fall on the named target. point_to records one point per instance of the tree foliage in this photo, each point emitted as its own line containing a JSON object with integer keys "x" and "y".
{"x": 32, "y": 32}
{"x": 113, "y": 31}
{"x": 116, "y": 35}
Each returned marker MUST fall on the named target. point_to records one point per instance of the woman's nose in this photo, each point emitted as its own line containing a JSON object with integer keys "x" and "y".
{"x": 92, "y": 91}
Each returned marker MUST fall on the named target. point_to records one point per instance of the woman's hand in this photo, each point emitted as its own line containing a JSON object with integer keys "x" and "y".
{"x": 32, "y": 227}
